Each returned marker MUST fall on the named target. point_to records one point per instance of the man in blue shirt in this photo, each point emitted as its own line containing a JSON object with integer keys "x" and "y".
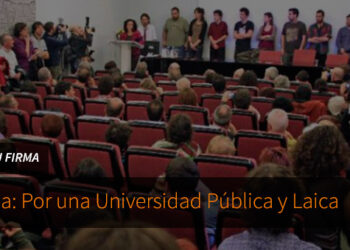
{"x": 343, "y": 38}
{"x": 54, "y": 46}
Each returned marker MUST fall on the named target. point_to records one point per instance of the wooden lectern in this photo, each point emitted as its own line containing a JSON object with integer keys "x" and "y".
{"x": 124, "y": 53}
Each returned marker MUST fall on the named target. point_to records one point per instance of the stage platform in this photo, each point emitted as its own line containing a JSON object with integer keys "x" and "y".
{"x": 158, "y": 64}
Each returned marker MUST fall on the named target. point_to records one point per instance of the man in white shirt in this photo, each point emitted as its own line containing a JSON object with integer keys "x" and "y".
{"x": 147, "y": 30}
{"x": 7, "y": 52}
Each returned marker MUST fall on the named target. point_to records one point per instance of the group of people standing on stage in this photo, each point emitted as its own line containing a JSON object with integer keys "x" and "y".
{"x": 187, "y": 39}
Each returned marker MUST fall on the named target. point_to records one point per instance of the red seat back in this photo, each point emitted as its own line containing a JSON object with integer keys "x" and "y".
{"x": 100, "y": 73}
{"x": 251, "y": 143}
{"x": 270, "y": 57}
{"x": 129, "y": 75}
{"x": 199, "y": 115}
{"x": 296, "y": 124}
{"x": 252, "y": 90}
{"x": 136, "y": 110}
{"x": 28, "y": 102}
{"x": 95, "y": 106}
{"x": 211, "y": 102}
{"x": 334, "y": 60}
{"x": 170, "y": 98}
{"x": 138, "y": 95}
{"x": 195, "y": 78}
{"x": 17, "y": 121}
{"x": 161, "y": 77}
{"x": 334, "y": 88}
{"x": 167, "y": 85}
{"x": 93, "y": 92}
{"x": 265, "y": 84}
{"x": 71, "y": 79}
{"x": 263, "y": 105}
{"x": 68, "y": 131}
{"x": 304, "y": 58}
{"x": 203, "y": 88}
{"x": 80, "y": 92}
{"x": 93, "y": 128}
{"x": 244, "y": 119}
{"x": 231, "y": 82}
{"x": 132, "y": 83}
{"x": 146, "y": 133}
{"x": 203, "y": 134}
{"x": 287, "y": 93}
{"x": 43, "y": 89}
{"x": 65, "y": 104}
{"x": 322, "y": 96}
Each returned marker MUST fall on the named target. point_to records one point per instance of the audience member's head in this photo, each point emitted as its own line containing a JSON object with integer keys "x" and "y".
{"x": 44, "y": 75}
{"x": 221, "y": 145}
{"x": 115, "y": 107}
{"x": 188, "y": 97}
{"x": 336, "y": 105}
{"x": 8, "y": 101}
{"x": 148, "y": 84}
{"x": 271, "y": 73}
{"x": 119, "y": 134}
{"x": 321, "y": 85}
{"x": 321, "y": 152}
{"x": 106, "y": 85}
{"x": 276, "y": 155}
{"x": 179, "y": 129}
{"x": 174, "y": 72}
{"x": 182, "y": 176}
{"x": 283, "y": 103}
{"x": 222, "y": 115}
{"x": 3, "y": 124}
{"x": 141, "y": 70}
{"x": 277, "y": 121}
{"x": 219, "y": 83}
{"x": 248, "y": 79}
{"x": 268, "y": 92}
{"x": 83, "y": 76}
{"x": 337, "y": 75}
{"x": 282, "y": 82}
{"x": 208, "y": 75}
{"x": 242, "y": 99}
{"x": 118, "y": 78}
{"x": 28, "y": 87}
{"x": 155, "y": 110}
{"x": 51, "y": 126}
{"x": 237, "y": 74}
{"x": 7, "y": 41}
{"x": 89, "y": 168}
{"x": 65, "y": 88}
{"x": 302, "y": 76}
{"x": 110, "y": 66}
{"x": 20, "y": 30}
{"x": 183, "y": 83}
{"x": 303, "y": 93}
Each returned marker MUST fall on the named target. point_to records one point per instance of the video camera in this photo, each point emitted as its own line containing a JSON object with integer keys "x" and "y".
{"x": 61, "y": 25}
{"x": 87, "y": 26}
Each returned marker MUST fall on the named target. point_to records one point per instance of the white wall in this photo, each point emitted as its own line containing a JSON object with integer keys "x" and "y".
{"x": 105, "y": 16}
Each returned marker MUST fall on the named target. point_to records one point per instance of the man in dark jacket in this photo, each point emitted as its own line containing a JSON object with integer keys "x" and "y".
{"x": 79, "y": 42}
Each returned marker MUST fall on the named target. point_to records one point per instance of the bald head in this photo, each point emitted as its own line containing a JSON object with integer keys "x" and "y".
{"x": 183, "y": 83}
{"x": 44, "y": 75}
{"x": 174, "y": 72}
{"x": 115, "y": 107}
{"x": 222, "y": 115}
{"x": 277, "y": 121}
{"x": 337, "y": 74}
{"x": 7, "y": 41}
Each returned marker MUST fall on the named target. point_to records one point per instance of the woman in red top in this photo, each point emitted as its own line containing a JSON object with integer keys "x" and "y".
{"x": 267, "y": 33}
{"x": 4, "y": 71}
{"x": 132, "y": 34}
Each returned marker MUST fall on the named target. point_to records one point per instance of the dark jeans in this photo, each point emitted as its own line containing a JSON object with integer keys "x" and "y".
{"x": 195, "y": 54}
{"x": 287, "y": 59}
{"x": 321, "y": 59}
{"x": 217, "y": 54}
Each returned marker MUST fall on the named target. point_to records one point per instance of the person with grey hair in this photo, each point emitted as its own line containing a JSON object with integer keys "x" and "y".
{"x": 115, "y": 107}
{"x": 336, "y": 105}
{"x": 271, "y": 73}
{"x": 174, "y": 72}
{"x": 183, "y": 83}
{"x": 282, "y": 82}
{"x": 277, "y": 122}
{"x": 222, "y": 119}
{"x": 44, "y": 75}
{"x": 141, "y": 70}
{"x": 8, "y": 102}
{"x": 7, "y": 52}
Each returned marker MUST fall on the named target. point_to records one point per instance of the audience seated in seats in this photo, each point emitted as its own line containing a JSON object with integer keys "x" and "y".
{"x": 119, "y": 134}
{"x": 267, "y": 228}
{"x": 174, "y": 72}
{"x": 221, "y": 145}
{"x": 183, "y": 83}
{"x": 51, "y": 126}
{"x": 242, "y": 100}
{"x": 149, "y": 84}
{"x": 111, "y": 66}
{"x": 336, "y": 75}
{"x": 321, "y": 86}
{"x": 222, "y": 118}
{"x": 283, "y": 103}
{"x": 155, "y": 110}
{"x": 323, "y": 153}
{"x": 64, "y": 88}
{"x": 237, "y": 74}
{"x": 271, "y": 73}
{"x": 179, "y": 137}
{"x": 182, "y": 177}
{"x": 15, "y": 236}
{"x": 3, "y": 125}
{"x": 118, "y": 238}
{"x": 267, "y": 92}
{"x": 115, "y": 107}
{"x": 219, "y": 83}
{"x": 336, "y": 105}
{"x": 44, "y": 75}
{"x": 281, "y": 82}
{"x": 8, "y": 102}
{"x": 188, "y": 97}
{"x": 248, "y": 78}
{"x": 28, "y": 87}
{"x": 141, "y": 70}
{"x": 105, "y": 87}
{"x": 208, "y": 75}
{"x": 277, "y": 122}
{"x": 89, "y": 171}
{"x": 304, "y": 106}
{"x": 303, "y": 77}
{"x": 276, "y": 155}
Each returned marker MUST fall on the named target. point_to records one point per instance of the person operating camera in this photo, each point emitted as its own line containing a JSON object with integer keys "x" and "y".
{"x": 79, "y": 41}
